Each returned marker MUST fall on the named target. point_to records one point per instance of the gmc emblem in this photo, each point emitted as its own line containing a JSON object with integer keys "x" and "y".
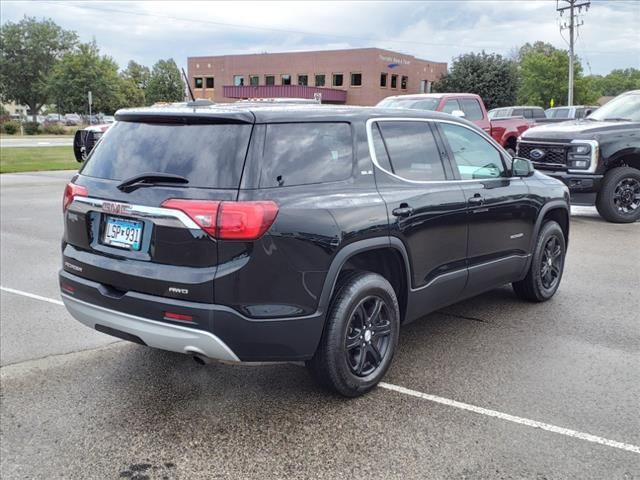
{"x": 117, "y": 208}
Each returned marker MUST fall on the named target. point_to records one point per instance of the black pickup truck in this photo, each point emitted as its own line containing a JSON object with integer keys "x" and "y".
{"x": 598, "y": 157}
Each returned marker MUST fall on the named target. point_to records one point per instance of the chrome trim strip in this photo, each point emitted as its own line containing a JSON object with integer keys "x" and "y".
{"x": 160, "y": 216}
{"x": 374, "y": 159}
{"x": 435, "y": 279}
{"x": 156, "y": 334}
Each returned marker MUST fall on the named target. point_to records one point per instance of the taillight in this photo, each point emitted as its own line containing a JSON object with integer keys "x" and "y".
{"x": 228, "y": 220}
{"x": 72, "y": 190}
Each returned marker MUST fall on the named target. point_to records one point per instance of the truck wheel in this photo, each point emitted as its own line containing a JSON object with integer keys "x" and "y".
{"x": 360, "y": 335}
{"x": 545, "y": 272}
{"x": 619, "y": 197}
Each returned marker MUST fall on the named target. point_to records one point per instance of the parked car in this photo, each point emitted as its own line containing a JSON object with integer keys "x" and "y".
{"x": 72, "y": 119}
{"x": 528, "y": 112}
{"x": 106, "y": 119}
{"x": 598, "y": 158}
{"x": 465, "y": 105}
{"x": 300, "y": 233}
{"x": 54, "y": 118}
{"x": 86, "y": 138}
{"x": 562, "y": 114}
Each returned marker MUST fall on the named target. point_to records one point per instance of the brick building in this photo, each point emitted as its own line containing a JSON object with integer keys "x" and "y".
{"x": 360, "y": 76}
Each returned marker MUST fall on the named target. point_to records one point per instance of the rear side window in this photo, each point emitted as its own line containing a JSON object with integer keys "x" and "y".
{"x": 303, "y": 153}
{"x": 560, "y": 113}
{"x": 210, "y": 156}
{"x": 539, "y": 113}
{"x": 471, "y": 108}
{"x": 412, "y": 150}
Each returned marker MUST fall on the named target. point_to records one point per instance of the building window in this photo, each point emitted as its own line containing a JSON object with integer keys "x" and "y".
{"x": 254, "y": 80}
{"x": 303, "y": 80}
{"x": 356, "y": 79}
{"x": 269, "y": 80}
{"x": 197, "y": 82}
{"x": 238, "y": 80}
{"x": 383, "y": 80}
{"x": 403, "y": 82}
{"x": 394, "y": 81}
{"x": 286, "y": 79}
{"x": 320, "y": 79}
{"x": 338, "y": 79}
{"x": 425, "y": 86}
{"x": 210, "y": 82}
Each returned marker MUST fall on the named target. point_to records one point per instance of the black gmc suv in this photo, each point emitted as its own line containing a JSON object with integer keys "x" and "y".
{"x": 284, "y": 233}
{"x": 598, "y": 158}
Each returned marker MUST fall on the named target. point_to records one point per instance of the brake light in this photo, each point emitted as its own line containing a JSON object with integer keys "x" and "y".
{"x": 72, "y": 190}
{"x": 178, "y": 316}
{"x": 228, "y": 220}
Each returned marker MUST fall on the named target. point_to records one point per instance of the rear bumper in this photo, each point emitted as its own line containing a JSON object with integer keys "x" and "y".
{"x": 151, "y": 333}
{"x": 583, "y": 187}
{"x": 217, "y": 331}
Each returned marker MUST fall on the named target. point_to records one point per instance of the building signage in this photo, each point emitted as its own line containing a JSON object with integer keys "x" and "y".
{"x": 394, "y": 61}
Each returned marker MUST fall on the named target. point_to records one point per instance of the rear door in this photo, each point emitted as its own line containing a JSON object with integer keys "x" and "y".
{"x": 426, "y": 209}
{"x": 130, "y": 238}
{"x": 501, "y": 216}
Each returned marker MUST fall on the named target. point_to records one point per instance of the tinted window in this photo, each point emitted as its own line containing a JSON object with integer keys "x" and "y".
{"x": 207, "y": 155}
{"x": 471, "y": 108}
{"x": 381, "y": 151}
{"x": 450, "y": 106}
{"x": 539, "y": 113}
{"x": 412, "y": 150}
{"x": 474, "y": 155}
{"x": 302, "y": 153}
{"x": 560, "y": 113}
{"x": 517, "y": 112}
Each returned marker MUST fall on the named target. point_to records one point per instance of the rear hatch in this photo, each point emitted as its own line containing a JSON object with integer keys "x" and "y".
{"x": 128, "y": 224}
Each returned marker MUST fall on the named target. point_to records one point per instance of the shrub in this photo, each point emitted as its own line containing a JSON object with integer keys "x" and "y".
{"x": 54, "y": 129}
{"x": 31, "y": 128}
{"x": 10, "y": 128}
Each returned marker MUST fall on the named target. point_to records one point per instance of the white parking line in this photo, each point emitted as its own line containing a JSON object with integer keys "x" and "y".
{"x": 512, "y": 418}
{"x": 445, "y": 401}
{"x": 31, "y": 295}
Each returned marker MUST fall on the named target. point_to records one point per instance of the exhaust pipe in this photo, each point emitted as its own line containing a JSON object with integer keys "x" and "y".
{"x": 200, "y": 359}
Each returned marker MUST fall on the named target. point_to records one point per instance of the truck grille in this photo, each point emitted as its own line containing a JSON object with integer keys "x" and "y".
{"x": 544, "y": 155}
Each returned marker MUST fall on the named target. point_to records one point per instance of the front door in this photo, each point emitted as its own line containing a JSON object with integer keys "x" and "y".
{"x": 426, "y": 209}
{"x": 500, "y": 213}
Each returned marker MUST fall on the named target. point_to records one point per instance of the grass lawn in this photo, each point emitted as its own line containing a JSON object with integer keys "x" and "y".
{"x": 34, "y": 159}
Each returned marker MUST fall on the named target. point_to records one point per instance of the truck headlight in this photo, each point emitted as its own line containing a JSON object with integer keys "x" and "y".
{"x": 579, "y": 157}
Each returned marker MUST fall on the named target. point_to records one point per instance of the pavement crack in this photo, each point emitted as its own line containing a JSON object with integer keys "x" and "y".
{"x": 465, "y": 317}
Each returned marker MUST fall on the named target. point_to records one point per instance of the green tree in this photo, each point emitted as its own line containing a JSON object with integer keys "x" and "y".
{"x": 131, "y": 95}
{"x": 618, "y": 81}
{"x": 491, "y": 76}
{"x": 544, "y": 74}
{"x": 138, "y": 74}
{"x": 29, "y": 51}
{"x": 165, "y": 83}
{"x": 134, "y": 81}
{"x": 85, "y": 70}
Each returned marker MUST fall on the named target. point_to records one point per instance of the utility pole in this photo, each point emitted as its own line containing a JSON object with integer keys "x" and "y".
{"x": 572, "y": 25}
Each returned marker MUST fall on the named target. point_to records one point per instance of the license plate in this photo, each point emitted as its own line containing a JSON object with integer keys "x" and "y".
{"x": 123, "y": 233}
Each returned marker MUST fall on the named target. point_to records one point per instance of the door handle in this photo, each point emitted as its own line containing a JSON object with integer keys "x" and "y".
{"x": 403, "y": 210}
{"x": 476, "y": 200}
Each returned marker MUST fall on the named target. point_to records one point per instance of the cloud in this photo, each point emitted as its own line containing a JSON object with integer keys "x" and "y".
{"x": 435, "y": 30}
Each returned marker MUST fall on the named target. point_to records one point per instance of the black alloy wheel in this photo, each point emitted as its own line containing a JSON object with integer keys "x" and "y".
{"x": 618, "y": 200}
{"x": 368, "y": 336}
{"x": 626, "y": 195}
{"x": 551, "y": 262}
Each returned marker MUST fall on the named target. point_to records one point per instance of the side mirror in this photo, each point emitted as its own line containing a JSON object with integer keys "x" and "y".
{"x": 521, "y": 167}
{"x": 79, "y": 150}
{"x": 458, "y": 113}
{"x": 588, "y": 112}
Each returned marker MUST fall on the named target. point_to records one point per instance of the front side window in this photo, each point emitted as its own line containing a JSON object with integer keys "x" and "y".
{"x": 286, "y": 79}
{"x": 412, "y": 150}
{"x": 383, "y": 80}
{"x": 269, "y": 80}
{"x": 254, "y": 80}
{"x": 197, "y": 82}
{"x": 474, "y": 156}
{"x": 303, "y": 80}
{"x": 304, "y": 153}
{"x": 356, "y": 79}
{"x": 338, "y": 79}
{"x": 471, "y": 108}
{"x": 238, "y": 80}
{"x": 320, "y": 79}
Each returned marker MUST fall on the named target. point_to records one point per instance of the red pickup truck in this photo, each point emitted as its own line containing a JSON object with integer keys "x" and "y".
{"x": 467, "y": 105}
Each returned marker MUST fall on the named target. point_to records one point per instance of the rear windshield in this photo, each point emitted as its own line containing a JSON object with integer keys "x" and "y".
{"x": 210, "y": 156}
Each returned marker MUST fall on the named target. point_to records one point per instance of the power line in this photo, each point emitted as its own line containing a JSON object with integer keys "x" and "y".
{"x": 572, "y": 25}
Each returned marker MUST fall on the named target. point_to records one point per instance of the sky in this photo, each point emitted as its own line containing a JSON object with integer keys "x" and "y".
{"x": 435, "y": 30}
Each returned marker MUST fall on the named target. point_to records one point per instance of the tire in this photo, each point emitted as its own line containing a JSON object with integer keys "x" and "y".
{"x": 336, "y": 364}
{"x": 541, "y": 283}
{"x": 619, "y": 197}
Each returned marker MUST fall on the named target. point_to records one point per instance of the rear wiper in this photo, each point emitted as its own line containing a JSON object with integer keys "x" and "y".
{"x": 147, "y": 179}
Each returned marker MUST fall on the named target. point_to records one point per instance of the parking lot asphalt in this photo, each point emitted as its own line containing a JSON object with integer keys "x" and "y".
{"x": 79, "y": 404}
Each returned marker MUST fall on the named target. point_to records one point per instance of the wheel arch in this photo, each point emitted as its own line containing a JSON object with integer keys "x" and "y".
{"x": 557, "y": 211}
